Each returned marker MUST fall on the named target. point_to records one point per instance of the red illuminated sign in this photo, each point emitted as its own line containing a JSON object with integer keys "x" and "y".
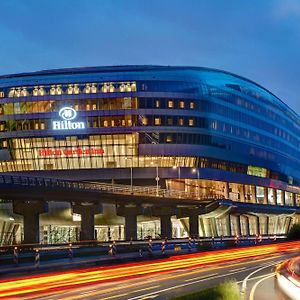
{"x": 70, "y": 152}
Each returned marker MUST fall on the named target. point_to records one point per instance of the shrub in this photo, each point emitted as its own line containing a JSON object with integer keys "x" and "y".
{"x": 294, "y": 233}
{"x": 224, "y": 291}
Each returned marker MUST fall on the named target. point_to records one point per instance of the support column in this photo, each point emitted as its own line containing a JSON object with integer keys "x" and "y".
{"x": 275, "y": 196}
{"x": 253, "y": 193}
{"x": 130, "y": 214}
{"x": 87, "y": 212}
{"x": 194, "y": 225}
{"x": 166, "y": 226}
{"x": 282, "y": 197}
{"x": 294, "y": 199}
{"x": 265, "y": 195}
{"x": 228, "y": 225}
{"x": 257, "y": 225}
{"x": 30, "y": 211}
{"x": 238, "y": 224}
{"x": 226, "y": 190}
{"x": 242, "y": 193}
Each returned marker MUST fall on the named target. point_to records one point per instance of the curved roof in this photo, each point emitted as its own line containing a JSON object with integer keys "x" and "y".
{"x": 139, "y": 68}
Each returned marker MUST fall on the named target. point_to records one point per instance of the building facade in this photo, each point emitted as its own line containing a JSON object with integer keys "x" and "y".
{"x": 203, "y": 131}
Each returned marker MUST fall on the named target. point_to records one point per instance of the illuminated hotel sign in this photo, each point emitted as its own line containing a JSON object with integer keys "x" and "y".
{"x": 70, "y": 152}
{"x": 67, "y": 114}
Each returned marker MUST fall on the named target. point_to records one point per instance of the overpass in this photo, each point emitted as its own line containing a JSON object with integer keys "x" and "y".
{"x": 30, "y": 197}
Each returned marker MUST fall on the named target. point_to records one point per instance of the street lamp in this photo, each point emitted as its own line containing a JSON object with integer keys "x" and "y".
{"x": 131, "y": 177}
{"x": 156, "y": 178}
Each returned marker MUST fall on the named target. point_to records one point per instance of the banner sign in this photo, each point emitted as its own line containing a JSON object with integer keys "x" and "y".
{"x": 57, "y": 152}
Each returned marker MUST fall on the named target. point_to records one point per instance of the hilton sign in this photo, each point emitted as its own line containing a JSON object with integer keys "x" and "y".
{"x": 67, "y": 114}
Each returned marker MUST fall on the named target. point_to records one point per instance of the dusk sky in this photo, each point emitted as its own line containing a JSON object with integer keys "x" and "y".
{"x": 257, "y": 39}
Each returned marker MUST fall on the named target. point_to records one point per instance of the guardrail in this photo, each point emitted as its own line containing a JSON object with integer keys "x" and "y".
{"x": 103, "y": 187}
{"x": 35, "y": 253}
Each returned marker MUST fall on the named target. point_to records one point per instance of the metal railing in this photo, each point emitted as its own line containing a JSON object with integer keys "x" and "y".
{"x": 103, "y": 187}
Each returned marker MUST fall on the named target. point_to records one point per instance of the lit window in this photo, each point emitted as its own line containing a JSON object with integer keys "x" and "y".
{"x": 41, "y": 91}
{"x": 58, "y": 90}
{"x": 129, "y": 122}
{"x": 93, "y": 88}
{"x": 36, "y": 126}
{"x": 181, "y": 104}
{"x": 169, "y": 138}
{"x": 133, "y": 87}
{"x": 94, "y": 106}
{"x": 4, "y": 144}
{"x": 105, "y": 123}
{"x": 214, "y": 124}
{"x": 11, "y": 93}
{"x": 123, "y": 122}
{"x": 191, "y": 122}
{"x": 24, "y": 92}
{"x": 122, "y": 87}
{"x": 70, "y": 89}
{"x": 170, "y": 104}
{"x": 128, "y": 88}
{"x": 42, "y": 125}
{"x": 113, "y": 123}
{"x": 157, "y": 121}
{"x": 111, "y": 88}
{"x": 35, "y": 92}
{"x": 157, "y": 103}
{"x": 192, "y": 105}
{"x": 105, "y": 88}
{"x": 145, "y": 121}
{"x": 18, "y": 93}
{"x": 181, "y": 122}
{"x": 87, "y": 89}
{"x": 76, "y": 89}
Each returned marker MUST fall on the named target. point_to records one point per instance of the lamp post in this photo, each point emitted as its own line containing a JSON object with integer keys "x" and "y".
{"x": 131, "y": 171}
{"x": 156, "y": 178}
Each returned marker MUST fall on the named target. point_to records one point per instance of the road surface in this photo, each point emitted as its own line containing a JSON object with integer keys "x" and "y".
{"x": 252, "y": 267}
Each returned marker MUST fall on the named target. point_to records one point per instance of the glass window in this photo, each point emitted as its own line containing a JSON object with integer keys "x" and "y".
{"x": 157, "y": 121}
{"x": 170, "y": 104}
{"x": 157, "y": 103}
{"x": 192, "y": 105}
{"x": 169, "y": 121}
{"x": 180, "y": 121}
{"x": 181, "y": 104}
{"x": 191, "y": 122}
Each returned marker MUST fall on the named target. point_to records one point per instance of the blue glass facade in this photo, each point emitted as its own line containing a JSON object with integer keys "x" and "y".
{"x": 196, "y": 113}
{"x": 204, "y": 131}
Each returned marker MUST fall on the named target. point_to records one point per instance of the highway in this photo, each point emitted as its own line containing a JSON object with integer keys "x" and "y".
{"x": 252, "y": 267}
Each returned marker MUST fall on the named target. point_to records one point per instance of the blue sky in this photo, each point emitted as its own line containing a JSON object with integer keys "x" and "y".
{"x": 257, "y": 39}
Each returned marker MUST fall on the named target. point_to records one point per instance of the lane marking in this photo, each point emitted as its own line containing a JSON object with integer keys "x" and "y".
{"x": 145, "y": 289}
{"x": 201, "y": 277}
{"x": 239, "y": 269}
{"x": 180, "y": 285}
{"x": 120, "y": 295}
{"x": 251, "y": 296}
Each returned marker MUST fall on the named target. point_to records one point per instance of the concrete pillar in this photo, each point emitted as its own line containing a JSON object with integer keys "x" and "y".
{"x": 166, "y": 226}
{"x": 257, "y": 225}
{"x": 226, "y": 190}
{"x": 294, "y": 199}
{"x": 130, "y": 214}
{"x": 265, "y": 195}
{"x": 194, "y": 225}
{"x": 228, "y": 225}
{"x": 87, "y": 212}
{"x": 242, "y": 193}
{"x": 282, "y": 197}
{"x": 30, "y": 211}
{"x": 275, "y": 196}
{"x": 253, "y": 193}
{"x": 238, "y": 224}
